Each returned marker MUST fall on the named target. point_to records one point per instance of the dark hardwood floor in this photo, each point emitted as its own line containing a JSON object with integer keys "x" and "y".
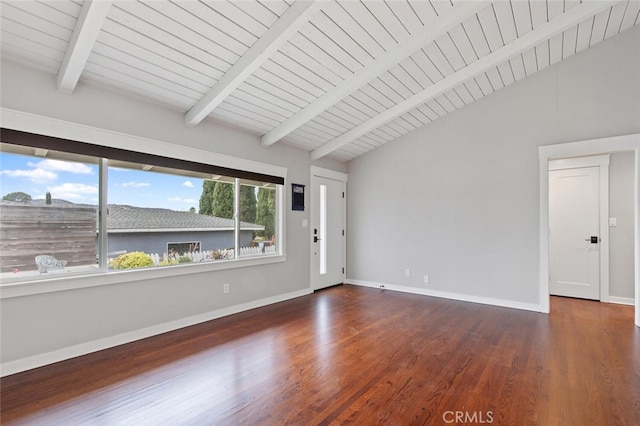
{"x": 354, "y": 355}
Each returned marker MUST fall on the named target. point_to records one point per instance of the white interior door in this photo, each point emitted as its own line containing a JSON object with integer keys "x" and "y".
{"x": 574, "y": 236}
{"x": 327, "y": 232}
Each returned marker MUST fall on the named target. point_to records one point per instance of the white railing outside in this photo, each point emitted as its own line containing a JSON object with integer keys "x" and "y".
{"x": 210, "y": 255}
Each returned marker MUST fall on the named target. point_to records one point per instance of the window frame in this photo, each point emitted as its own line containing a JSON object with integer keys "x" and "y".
{"x": 199, "y": 243}
{"x": 50, "y": 127}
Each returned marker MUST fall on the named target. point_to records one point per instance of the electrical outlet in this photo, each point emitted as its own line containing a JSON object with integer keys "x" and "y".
{"x": 225, "y": 288}
{"x": 426, "y": 279}
{"x": 407, "y": 272}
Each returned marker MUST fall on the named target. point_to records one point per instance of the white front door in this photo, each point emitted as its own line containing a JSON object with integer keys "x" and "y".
{"x": 574, "y": 232}
{"x": 327, "y": 232}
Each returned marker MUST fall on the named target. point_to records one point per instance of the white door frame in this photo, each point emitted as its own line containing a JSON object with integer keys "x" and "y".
{"x": 602, "y": 162}
{"x": 576, "y": 149}
{"x": 339, "y": 176}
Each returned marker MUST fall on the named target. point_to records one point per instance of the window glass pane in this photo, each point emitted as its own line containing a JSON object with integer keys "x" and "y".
{"x": 48, "y": 212}
{"x": 216, "y": 206}
{"x": 257, "y": 218}
{"x": 168, "y": 217}
{"x": 323, "y": 229}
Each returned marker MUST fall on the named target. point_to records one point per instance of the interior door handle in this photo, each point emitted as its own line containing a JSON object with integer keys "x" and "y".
{"x": 592, "y": 240}
{"x": 316, "y": 239}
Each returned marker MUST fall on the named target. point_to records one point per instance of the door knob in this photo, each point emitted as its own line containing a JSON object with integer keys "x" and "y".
{"x": 592, "y": 240}
{"x": 316, "y": 239}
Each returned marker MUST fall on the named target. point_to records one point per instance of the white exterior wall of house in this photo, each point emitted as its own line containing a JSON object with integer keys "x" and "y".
{"x": 42, "y": 328}
{"x": 458, "y": 200}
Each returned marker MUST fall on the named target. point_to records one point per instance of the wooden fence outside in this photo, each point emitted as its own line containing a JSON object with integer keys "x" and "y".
{"x": 66, "y": 233}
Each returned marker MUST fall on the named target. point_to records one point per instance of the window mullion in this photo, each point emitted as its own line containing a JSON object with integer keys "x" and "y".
{"x": 103, "y": 243}
{"x": 280, "y": 219}
{"x": 236, "y": 217}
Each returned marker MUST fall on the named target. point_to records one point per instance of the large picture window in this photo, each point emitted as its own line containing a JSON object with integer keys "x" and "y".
{"x": 69, "y": 212}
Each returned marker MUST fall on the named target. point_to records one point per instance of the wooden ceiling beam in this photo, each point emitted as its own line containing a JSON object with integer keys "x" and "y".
{"x": 85, "y": 33}
{"x": 541, "y": 33}
{"x": 277, "y": 35}
{"x": 457, "y": 14}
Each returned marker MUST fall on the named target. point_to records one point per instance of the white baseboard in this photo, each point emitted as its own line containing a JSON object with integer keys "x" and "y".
{"x": 622, "y": 300}
{"x": 448, "y": 295}
{"x": 35, "y": 361}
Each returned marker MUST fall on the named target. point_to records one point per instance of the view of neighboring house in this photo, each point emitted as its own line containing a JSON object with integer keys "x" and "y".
{"x": 155, "y": 230}
{"x": 67, "y": 231}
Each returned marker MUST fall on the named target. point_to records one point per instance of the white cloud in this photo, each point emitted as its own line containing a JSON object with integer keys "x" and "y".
{"x": 74, "y": 191}
{"x": 35, "y": 175}
{"x": 181, "y": 200}
{"x": 63, "y": 166}
{"x": 188, "y": 184}
{"x": 134, "y": 184}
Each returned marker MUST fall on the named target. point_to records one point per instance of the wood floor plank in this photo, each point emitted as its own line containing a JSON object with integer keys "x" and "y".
{"x": 353, "y": 355}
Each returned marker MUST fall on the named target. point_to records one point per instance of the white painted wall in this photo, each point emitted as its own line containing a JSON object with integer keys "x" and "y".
{"x": 458, "y": 198}
{"x": 621, "y": 279}
{"x": 42, "y": 328}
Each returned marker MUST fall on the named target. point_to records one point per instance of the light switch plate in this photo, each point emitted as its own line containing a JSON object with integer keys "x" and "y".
{"x": 305, "y": 223}
{"x": 613, "y": 221}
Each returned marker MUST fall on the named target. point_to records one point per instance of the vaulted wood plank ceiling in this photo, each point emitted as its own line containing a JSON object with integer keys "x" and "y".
{"x": 335, "y": 78}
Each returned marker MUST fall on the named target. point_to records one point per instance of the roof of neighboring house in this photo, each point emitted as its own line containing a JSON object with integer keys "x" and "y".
{"x": 124, "y": 218}
{"x": 38, "y": 202}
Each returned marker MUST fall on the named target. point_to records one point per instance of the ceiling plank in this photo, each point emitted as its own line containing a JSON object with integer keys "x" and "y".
{"x": 85, "y": 33}
{"x": 380, "y": 65}
{"x": 518, "y": 46}
{"x": 278, "y": 34}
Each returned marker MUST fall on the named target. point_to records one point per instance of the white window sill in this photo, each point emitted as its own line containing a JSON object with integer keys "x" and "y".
{"x": 62, "y": 281}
